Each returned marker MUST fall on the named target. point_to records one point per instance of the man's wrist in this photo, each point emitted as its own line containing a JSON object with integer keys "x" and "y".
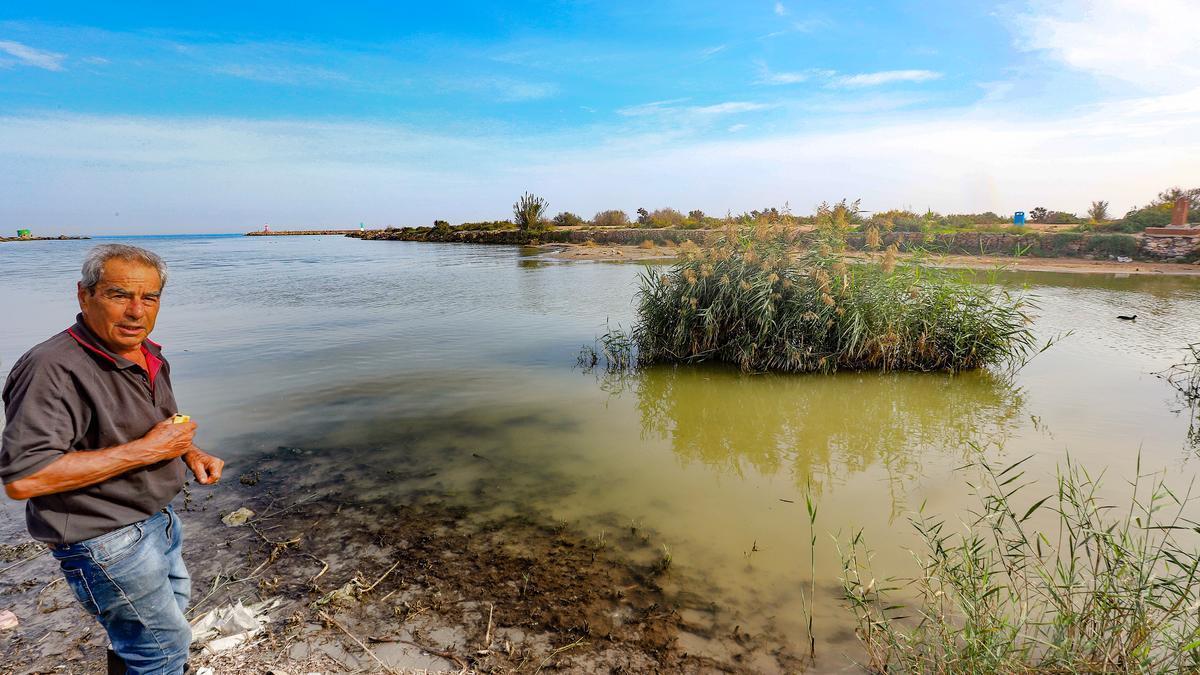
{"x": 134, "y": 454}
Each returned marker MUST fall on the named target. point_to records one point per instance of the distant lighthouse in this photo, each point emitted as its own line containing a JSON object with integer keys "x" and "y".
{"x": 266, "y": 228}
{"x": 362, "y": 228}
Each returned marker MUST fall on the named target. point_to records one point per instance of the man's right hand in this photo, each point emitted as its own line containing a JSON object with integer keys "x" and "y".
{"x": 74, "y": 470}
{"x": 168, "y": 440}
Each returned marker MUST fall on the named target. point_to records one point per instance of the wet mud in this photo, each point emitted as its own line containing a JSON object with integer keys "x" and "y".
{"x": 378, "y": 569}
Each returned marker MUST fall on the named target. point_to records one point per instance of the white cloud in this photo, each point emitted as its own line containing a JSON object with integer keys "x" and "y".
{"x": 711, "y": 51}
{"x": 783, "y": 78}
{"x": 729, "y": 108}
{"x": 671, "y": 108}
{"x": 886, "y": 77}
{"x": 235, "y": 174}
{"x": 516, "y": 90}
{"x": 504, "y": 89}
{"x": 29, "y": 56}
{"x": 780, "y": 10}
{"x": 652, "y": 108}
{"x": 1150, "y": 43}
{"x": 734, "y": 128}
{"x": 767, "y": 76}
{"x": 281, "y": 73}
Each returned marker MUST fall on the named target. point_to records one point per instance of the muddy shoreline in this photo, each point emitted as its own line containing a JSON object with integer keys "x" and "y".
{"x": 421, "y": 582}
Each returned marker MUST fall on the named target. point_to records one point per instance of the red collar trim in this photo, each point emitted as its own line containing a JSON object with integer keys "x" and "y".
{"x": 153, "y": 365}
{"x": 85, "y": 345}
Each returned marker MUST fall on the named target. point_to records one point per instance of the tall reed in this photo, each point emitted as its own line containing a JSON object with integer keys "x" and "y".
{"x": 756, "y": 300}
{"x": 1106, "y": 591}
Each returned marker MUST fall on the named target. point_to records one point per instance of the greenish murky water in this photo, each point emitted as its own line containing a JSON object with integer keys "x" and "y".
{"x": 460, "y": 358}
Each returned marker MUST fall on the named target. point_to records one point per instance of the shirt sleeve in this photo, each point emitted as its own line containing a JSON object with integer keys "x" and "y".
{"x": 39, "y": 420}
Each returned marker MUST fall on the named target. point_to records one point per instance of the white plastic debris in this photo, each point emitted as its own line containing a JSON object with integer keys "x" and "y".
{"x": 1124, "y": 259}
{"x": 238, "y": 518}
{"x": 230, "y": 626}
{"x": 205, "y": 670}
{"x": 8, "y": 620}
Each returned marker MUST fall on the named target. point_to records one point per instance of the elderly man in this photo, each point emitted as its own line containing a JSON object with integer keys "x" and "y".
{"x": 91, "y": 443}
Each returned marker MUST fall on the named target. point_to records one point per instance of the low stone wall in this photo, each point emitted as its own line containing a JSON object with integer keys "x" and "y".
{"x": 297, "y": 233}
{"x": 61, "y": 237}
{"x": 629, "y": 236}
{"x": 1171, "y": 249}
{"x": 1101, "y": 246}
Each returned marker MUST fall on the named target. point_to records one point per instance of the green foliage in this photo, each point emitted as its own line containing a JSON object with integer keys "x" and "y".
{"x": 1112, "y": 245}
{"x": 1041, "y": 215}
{"x": 754, "y": 300}
{"x": 961, "y": 221}
{"x": 485, "y": 225}
{"x": 1050, "y": 244}
{"x": 567, "y": 219}
{"x": 611, "y": 218}
{"x": 1156, "y": 215}
{"x": 1104, "y": 591}
{"x": 1098, "y": 212}
{"x": 900, "y": 220}
{"x": 528, "y": 212}
{"x": 1169, "y": 196}
{"x": 665, "y": 217}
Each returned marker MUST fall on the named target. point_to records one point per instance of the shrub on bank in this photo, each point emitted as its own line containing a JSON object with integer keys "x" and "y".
{"x": 754, "y": 300}
{"x": 1112, "y": 245}
{"x": 568, "y": 219}
{"x": 665, "y": 217}
{"x": 611, "y": 218}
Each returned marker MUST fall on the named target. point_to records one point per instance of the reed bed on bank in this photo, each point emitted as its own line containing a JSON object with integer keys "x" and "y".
{"x": 758, "y": 300}
{"x": 1108, "y": 590}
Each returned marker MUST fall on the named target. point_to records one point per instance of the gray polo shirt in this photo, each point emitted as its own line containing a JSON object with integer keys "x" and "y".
{"x": 71, "y": 394}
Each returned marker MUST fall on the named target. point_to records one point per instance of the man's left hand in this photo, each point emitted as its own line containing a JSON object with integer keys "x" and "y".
{"x": 206, "y": 467}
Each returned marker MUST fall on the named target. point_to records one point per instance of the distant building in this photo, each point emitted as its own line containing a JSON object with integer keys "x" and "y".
{"x": 24, "y": 234}
{"x": 266, "y": 228}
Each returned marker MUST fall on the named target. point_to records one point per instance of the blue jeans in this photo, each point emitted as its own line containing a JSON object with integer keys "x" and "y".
{"x": 134, "y": 582}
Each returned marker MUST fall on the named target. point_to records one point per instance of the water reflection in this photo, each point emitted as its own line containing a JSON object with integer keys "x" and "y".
{"x": 821, "y": 429}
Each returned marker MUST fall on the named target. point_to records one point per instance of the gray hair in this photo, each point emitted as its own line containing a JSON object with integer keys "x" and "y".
{"x": 93, "y": 263}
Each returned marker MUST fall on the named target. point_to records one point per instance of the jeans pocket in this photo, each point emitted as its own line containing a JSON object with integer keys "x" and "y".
{"x": 111, "y": 548}
{"x": 77, "y": 580}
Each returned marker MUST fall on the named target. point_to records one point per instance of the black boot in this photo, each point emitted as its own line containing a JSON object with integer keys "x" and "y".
{"x": 115, "y": 665}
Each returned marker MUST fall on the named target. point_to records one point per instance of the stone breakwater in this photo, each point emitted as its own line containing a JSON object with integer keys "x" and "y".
{"x": 628, "y": 236}
{"x": 297, "y": 233}
{"x": 61, "y": 237}
{"x": 1094, "y": 246}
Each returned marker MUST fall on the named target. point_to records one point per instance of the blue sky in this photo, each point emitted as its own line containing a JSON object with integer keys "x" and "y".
{"x": 220, "y": 117}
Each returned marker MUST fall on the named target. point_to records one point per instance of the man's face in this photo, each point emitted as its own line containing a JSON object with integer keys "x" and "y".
{"x": 121, "y": 309}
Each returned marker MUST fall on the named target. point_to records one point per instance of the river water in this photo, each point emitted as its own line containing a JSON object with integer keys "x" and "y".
{"x": 446, "y": 355}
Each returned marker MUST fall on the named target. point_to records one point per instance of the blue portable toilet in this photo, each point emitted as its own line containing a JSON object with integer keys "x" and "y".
{"x": 1019, "y": 218}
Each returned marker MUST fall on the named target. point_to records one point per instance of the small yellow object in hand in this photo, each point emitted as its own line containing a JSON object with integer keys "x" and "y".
{"x": 180, "y": 419}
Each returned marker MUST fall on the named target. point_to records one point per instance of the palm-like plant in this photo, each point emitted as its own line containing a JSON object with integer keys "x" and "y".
{"x": 529, "y": 210}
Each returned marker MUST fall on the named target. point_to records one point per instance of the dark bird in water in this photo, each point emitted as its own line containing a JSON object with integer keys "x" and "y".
{"x": 1127, "y": 318}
